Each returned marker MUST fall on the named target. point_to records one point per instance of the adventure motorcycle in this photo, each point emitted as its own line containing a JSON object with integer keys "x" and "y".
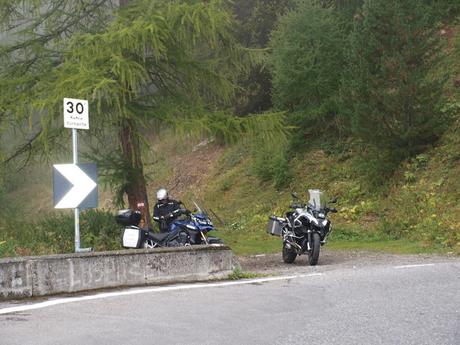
{"x": 183, "y": 231}
{"x": 305, "y": 229}
{"x": 137, "y": 237}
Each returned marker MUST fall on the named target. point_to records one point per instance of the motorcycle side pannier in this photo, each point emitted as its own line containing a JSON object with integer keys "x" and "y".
{"x": 274, "y": 226}
{"x": 132, "y": 237}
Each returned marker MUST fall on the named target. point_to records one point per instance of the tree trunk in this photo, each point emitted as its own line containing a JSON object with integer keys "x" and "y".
{"x": 135, "y": 187}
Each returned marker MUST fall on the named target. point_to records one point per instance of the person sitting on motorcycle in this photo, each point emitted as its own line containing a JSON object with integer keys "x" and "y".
{"x": 166, "y": 210}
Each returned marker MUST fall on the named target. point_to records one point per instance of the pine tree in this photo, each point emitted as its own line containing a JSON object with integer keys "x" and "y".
{"x": 392, "y": 85}
{"x": 307, "y": 64}
{"x": 257, "y": 19}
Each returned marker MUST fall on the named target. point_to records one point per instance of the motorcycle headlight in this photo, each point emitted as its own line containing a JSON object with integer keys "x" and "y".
{"x": 204, "y": 222}
{"x": 321, "y": 215}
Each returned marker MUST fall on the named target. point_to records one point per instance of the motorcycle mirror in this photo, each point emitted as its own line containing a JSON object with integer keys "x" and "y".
{"x": 334, "y": 200}
{"x": 294, "y": 195}
{"x": 333, "y": 210}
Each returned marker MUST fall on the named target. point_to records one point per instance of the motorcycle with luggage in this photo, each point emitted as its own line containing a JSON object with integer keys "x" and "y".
{"x": 305, "y": 229}
{"x": 185, "y": 229}
{"x": 133, "y": 236}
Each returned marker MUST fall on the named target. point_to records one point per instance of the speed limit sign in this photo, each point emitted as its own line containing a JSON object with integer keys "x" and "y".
{"x": 76, "y": 113}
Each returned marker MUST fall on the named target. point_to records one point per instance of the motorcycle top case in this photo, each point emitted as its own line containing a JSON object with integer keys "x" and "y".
{"x": 274, "y": 227}
{"x": 128, "y": 217}
{"x": 132, "y": 237}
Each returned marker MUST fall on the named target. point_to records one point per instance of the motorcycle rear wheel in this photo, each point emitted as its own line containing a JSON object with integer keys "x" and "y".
{"x": 289, "y": 254}
{"x": 147, "y": 244}
{"x": 313, "y": 255}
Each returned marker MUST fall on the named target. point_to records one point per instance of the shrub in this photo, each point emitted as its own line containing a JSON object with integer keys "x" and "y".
{"x": 54, "y": 234}
{"x": 270, "y": 163}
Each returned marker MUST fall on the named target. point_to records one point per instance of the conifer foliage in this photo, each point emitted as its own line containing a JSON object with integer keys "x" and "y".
{"x": 152, "y": 63}
{"x": 392, "y": 87}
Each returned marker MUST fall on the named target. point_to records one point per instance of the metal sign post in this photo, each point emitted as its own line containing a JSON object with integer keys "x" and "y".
{"x": 77, "y": 210}
{"x": 76, "y": 117}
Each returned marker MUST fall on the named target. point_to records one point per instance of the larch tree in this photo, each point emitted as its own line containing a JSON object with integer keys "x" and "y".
{"x": 156, "y": 62}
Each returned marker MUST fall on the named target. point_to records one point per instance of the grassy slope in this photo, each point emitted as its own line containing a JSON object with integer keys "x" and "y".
{"x": 417, "y": 212}
{"x": 363, "y": 220}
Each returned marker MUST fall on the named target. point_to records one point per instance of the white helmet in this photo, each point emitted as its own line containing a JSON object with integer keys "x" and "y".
{"x": 162, "y": 194}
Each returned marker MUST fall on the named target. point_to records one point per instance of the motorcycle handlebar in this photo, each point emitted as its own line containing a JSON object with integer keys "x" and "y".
{"x": 276, "y": 218}
{"x": 175, "y": 213}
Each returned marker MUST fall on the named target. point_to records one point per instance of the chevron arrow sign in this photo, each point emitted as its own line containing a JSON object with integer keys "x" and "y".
{"x": 75, "y": 185}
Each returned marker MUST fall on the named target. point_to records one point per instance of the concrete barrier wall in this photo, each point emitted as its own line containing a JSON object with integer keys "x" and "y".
{"x": 48, "y": 275}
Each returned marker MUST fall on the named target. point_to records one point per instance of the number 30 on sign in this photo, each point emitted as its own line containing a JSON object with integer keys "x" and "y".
{"x": 76, "y": 113}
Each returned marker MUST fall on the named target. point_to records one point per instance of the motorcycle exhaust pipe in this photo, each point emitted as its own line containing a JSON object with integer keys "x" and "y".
{"x": 289, "y": 245}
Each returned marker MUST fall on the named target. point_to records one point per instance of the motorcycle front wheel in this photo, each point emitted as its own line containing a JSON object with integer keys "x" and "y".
{"x": 313, "y": 254}
{"x": 289, "y": 254}
{"x": 214, "y": 240}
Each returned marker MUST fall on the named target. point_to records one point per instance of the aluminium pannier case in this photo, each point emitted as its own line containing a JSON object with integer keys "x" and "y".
{"x": 132, "y": 237}
{"x": 274, "y": 226}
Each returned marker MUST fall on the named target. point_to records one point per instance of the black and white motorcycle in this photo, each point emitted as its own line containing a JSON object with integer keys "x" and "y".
{"x": 305, "y": 229}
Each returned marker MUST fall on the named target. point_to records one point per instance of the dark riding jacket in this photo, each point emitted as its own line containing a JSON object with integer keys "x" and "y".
{"x": 165, "y": 212}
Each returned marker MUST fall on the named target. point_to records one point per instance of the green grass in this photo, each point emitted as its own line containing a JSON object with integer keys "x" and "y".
{"x": 258, "y": 241}
{"x": 55, "y": 234}
{"x": 238, "y": 274}
{"x": 262, "y": 243}
{"x": 248, "y": 244}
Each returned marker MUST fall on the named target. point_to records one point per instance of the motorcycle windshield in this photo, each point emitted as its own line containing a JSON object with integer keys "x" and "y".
{"x": 317, "y": 199}
{"x": 202, "y": 219}
{"x": 200, "y": 210}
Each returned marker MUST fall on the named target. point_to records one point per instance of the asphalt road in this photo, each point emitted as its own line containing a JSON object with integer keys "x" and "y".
{"x": 413, "y": 301}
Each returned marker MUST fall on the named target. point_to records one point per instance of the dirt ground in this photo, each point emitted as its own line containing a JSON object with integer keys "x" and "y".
{"x": 333, "y": 259}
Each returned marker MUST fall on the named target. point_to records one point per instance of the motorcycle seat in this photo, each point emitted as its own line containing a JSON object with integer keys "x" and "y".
{"x": 159, "y": 236}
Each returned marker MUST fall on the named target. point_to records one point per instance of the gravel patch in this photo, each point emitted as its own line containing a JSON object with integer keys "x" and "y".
{"x": 273, "y": 264}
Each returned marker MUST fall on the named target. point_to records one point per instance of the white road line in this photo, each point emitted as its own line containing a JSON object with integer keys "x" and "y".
{"x": 147, "y": 290}
{"x": 413, "y": 266}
